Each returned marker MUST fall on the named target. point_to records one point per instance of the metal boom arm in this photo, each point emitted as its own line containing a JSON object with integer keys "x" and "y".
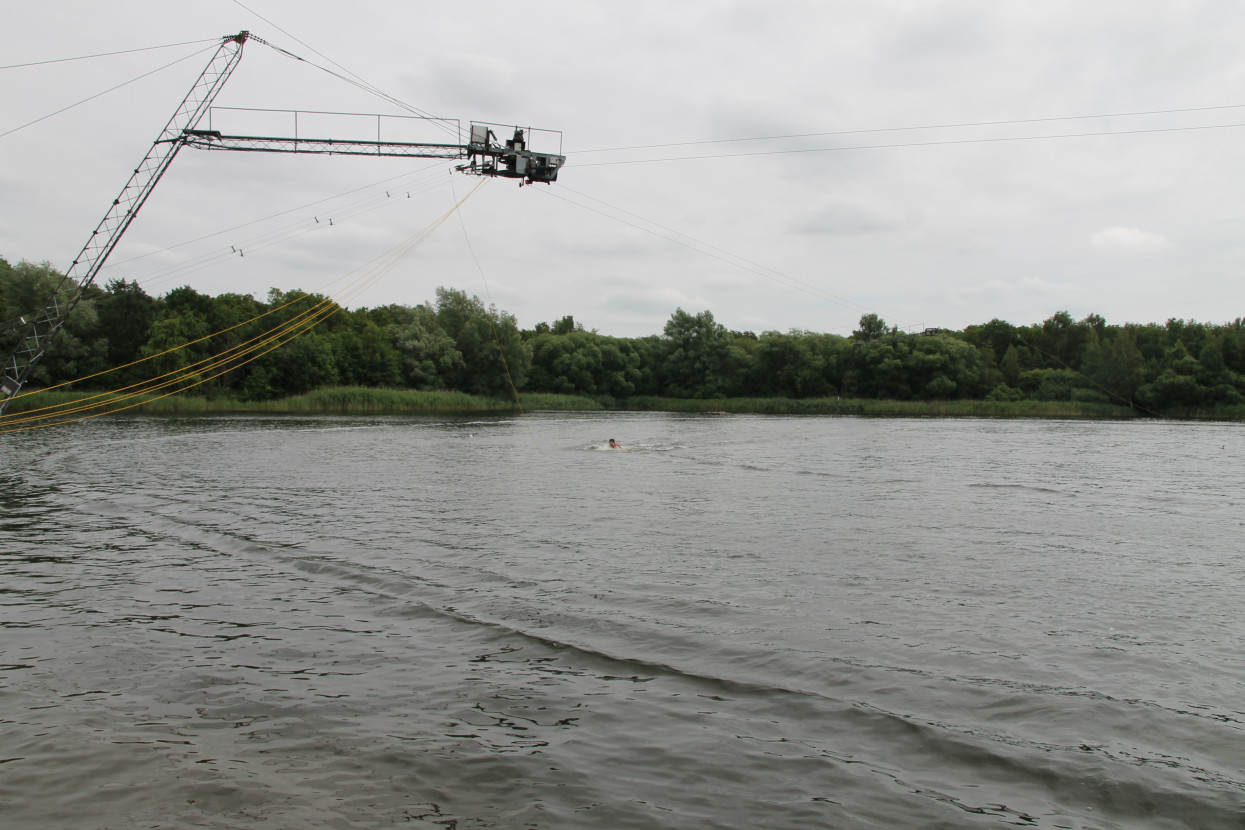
{"x": 213, "y": 140}
{"x": 486, "y": 156}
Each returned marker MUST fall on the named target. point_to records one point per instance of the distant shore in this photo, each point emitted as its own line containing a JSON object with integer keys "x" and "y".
{"x": 64, "y": 406}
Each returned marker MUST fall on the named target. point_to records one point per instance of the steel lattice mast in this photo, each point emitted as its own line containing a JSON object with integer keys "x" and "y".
{"x": 41, "y": 328}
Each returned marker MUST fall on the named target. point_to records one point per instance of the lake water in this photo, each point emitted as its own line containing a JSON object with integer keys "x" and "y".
{"x": 734, "y": 622}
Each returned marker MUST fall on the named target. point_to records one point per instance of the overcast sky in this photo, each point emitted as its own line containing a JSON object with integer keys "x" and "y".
{"x": 899, "y": 198}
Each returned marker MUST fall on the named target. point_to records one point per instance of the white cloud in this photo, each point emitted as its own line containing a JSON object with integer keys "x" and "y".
{"x": 991, "y": 288}
{"x": 1039, "y": 284}
{"x": 844, "y": 218}
{"x": 1130, "y": 241}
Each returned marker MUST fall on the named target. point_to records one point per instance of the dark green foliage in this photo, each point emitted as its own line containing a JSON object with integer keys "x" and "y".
{"x": 899, "y": 366}
{"x": 1049, "y": 384}
{"x": 1061, "y": 340}
{"x": 495, "y": 360}
{"x": 171, "y": 346}
{"x": 301, "y": 365}
{"x": 1232, "y": 345}
{"x": 229, "y": 348}
{"x": 6, "y": 280}
{"x": 427, "y": 354}
{"x": 1080, "y": 395}
{"x": 698, "y": 357}
{"x": 583, "y": 363}
{"x": 796, "y": 365}
{"x": 26, "y": 287}
{"x": 1009, "y": 367}
{"x": 871, "y": 327}
{"x": 944, "y": 367}
{"x": 566, "y": 363}
{"x": 125, "y": 314}
{"x": 1006, "y": 393}
{"x": 998, "y": 334}
{"x": 1115, "y": 365}
{"x": 1171, "y": 389}
{"x": 365, "y": 355}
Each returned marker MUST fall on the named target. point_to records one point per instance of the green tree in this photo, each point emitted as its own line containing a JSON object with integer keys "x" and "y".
{"x": 1005, "y": 393}
{"x": 871, "y": 327}
{"x": 790, "y": 365}
{"x": 568, "y": 363}
{"x": 1049, "y": 384}
{"x": 1115, "y": 364}
{"x": 1171, "y": 390}
{"x": 185, "y": 300}
{"x": 427, "y": 353}
{"x": 943, "y": 367}
{"x": 26, "y": 288}
{"x": 1061, "y": 340}
{"x": 493, "y": 352}
{"x": 939, "y": 388}
{"x": 365, "y": 355}
{"x": 1213, "y": 369}
{"x": 300, "y": 365}
{"x": 1194, "y": 335}
{"x": 699, "y": 355}
{"x": 583, "y": 363}
{"x": 877, "y": 368}
{"x": 1232, "y": 345}
{"x": 232, "y": 318}
{"x": 171, "y": 351}
{"x": 391, "y": 315}
{"x": 649, "y": 354}
{"x": 989, "y": 375}
{"x": 78, "y": 351}
{"x": 997, "y": 334}
{"x": 5, "y": 271}
{"x": 621, "y": 373}
{"x": 126, "y": 313}
{"x": 1010, "y": 365}
{"x": 6, "y": 312}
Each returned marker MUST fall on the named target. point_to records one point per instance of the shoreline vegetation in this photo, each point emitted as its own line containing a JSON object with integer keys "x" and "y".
{"x": 362, "y": 400}
{"x": 297, "y": 352}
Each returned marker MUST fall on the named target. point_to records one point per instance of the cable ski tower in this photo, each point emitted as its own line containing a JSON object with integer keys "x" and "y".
{"x": 483, "y": 155}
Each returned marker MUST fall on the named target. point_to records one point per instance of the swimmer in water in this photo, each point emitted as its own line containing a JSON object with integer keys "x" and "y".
{"x": 614, "y": 445}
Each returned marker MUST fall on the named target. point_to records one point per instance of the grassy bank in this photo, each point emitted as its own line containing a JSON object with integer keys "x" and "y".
{"x": 355, "y": 399}
{"x": 61, "y": 405}
{"x": 884, "y": 409}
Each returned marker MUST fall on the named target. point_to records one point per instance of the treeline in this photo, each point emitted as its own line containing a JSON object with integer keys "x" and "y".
{"x": 457, "y": 343}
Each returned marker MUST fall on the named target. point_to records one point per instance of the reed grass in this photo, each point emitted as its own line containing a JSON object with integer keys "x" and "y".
{"x": 365, "y": 400}
{"x": 544, "y": 401}
{"x": 359, "y": 399}
{"x": 883, "y": 408}
{"x": 49, "y": 403}
{"x": 329, "y": 399}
